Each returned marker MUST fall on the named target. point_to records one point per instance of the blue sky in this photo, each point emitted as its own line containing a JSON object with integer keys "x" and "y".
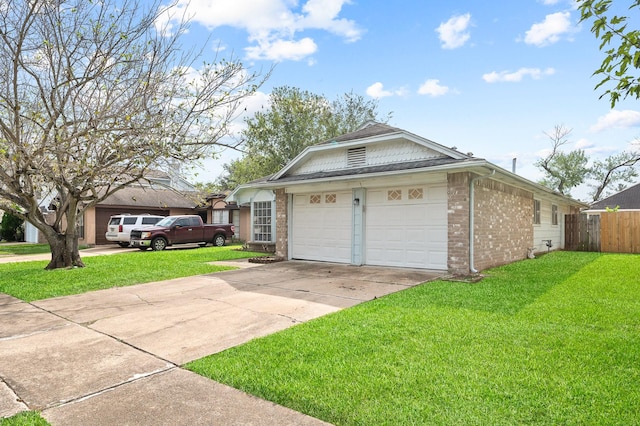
{"x": 487, "y": 77}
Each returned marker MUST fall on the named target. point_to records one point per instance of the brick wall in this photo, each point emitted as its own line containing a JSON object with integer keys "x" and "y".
{"x": 282, "y": 227}
{"x": 458, "y": 220}
{"x": 503, "y": 223}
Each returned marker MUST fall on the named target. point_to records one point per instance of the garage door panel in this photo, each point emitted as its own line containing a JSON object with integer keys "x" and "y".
{"x": 321, "y": 227}
{"x": 407, "y": 226}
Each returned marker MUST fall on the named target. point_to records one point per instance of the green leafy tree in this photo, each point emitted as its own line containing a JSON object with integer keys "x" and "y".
{"x": 294, "y": 120}
{"x": 620, "y": 43}
{"x": 567, "y": 170}
{"x": 10, "y": 227}
{"x": 92, "y": 95}
{"x": 613, "y": 172}
{"x": 563, "y": 171}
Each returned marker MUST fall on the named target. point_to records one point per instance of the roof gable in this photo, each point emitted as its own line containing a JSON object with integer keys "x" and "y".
{"x": 627, "y": 199}
{"x": 373, "y": 146}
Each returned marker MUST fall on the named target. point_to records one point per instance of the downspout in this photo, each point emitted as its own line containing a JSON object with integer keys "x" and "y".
{"x": 471, "y": 218}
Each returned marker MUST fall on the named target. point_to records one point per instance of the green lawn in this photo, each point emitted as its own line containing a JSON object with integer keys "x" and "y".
{"x": 26, "y": 418}
{"x": 30, "y": 281}
{"x": 553, "y": 340}
{"x": 9, "y": 249}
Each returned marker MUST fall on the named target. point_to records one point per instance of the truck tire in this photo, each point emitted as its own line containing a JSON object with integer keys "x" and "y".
{"x": 219, "y": 240}
{"x": 158, "y": 244}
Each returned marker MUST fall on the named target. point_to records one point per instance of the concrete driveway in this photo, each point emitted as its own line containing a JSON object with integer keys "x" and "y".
{"x": 113, "y": 356}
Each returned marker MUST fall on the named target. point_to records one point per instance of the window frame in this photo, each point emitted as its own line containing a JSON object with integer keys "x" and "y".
{"x": 554, "y": 214}
{"x": 537, "y": 207}
{"x": 262, "y": 222}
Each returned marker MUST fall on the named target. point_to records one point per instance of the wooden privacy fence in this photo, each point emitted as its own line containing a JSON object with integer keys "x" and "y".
{"x": 582, "y": 232}
{"x": 611, "y": 232}
{"x": 620, "y": 232}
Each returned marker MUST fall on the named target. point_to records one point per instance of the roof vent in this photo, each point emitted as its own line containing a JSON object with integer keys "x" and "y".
{"x": 357, "y": 157}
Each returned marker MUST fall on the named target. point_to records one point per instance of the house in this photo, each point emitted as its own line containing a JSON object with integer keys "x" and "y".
{"x": 225, "y": 212}
{"x": 625, "y": 200}
{"x": 135, "y": 199}
{"x": 161, "y": 194}
{"x": 384, "y": 196}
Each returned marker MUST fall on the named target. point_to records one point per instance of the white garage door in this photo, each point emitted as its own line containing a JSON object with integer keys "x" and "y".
{"x": 321, "y": 226}
{"x": 407, "y": 227}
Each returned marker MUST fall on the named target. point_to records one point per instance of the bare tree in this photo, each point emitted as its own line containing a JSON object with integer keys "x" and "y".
{"x": 93, "y": 94}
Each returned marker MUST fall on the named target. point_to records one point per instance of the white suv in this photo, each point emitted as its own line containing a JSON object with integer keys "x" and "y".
{"x": 120, "y": 226}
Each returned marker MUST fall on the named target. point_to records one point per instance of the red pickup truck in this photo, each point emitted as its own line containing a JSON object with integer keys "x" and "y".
{"x": 180, "y": 230}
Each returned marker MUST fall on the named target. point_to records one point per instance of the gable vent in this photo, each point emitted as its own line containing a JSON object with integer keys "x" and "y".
{"x": 357, "y": 157}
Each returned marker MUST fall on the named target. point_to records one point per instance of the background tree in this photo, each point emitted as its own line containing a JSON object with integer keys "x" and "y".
{"x": 293, "y": 120}
{"x": 620, "y": 44}
{"x": 567, "y": 170}
{"x": 563, "y": 171}
{"x": 92, "y": 95}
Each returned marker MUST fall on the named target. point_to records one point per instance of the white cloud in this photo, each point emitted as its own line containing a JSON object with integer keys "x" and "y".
{"x": 433, "y": 88}
{"x": 549, "y": 2}
{"x": 549, "y": 31}
{"x": 514, "y": 77}
{"x": 280, "y": 50}
{"x": 271, "y": 24}
{"x": 617, "y": 119}
{"x": 453, "y": 33}
{"x": 584, "y": 144}
{"x": 376, "y": 90}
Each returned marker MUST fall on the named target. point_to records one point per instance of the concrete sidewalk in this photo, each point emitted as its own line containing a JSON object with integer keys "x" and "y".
{"x": 113, "y": 356}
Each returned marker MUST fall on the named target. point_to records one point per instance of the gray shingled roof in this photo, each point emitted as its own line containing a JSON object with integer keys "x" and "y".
{"x": 367, "y": 131}
{"x": 149, "y": 197}
{"x": 628, "y": 199}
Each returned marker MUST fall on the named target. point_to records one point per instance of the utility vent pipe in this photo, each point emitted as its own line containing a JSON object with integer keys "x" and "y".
{"x": 513, "y": 166}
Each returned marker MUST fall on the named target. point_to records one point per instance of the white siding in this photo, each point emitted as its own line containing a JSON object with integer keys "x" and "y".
{"x": 546, "y": 230}
{"x": 376, "y": 154}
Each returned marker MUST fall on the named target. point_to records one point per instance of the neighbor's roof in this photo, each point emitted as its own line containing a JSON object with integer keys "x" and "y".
{"x": 149, "y": 197}
{"x": 628, "y": 199}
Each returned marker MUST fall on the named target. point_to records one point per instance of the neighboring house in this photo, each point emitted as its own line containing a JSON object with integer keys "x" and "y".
{"x": 225, "y": 212}
{"x": 384, "y": 196}
{"x": 135, "y": 199}
{"x": 161, "y": 194}
{"x": 625, "y": 200}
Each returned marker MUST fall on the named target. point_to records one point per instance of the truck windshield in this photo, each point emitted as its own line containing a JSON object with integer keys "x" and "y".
{"x": 167, "y": 221}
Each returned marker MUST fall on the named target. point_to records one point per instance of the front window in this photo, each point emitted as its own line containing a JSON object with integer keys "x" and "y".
{"x": 81, "y": 226}
{"x": 536, "y": 212}
{"x": 218, "y": 216}
{"x": 262, "y": 221}
{"x": 554, "y": 214}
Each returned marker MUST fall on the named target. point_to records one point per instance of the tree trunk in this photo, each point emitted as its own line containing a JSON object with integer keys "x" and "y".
{"x": 64, "y": 252}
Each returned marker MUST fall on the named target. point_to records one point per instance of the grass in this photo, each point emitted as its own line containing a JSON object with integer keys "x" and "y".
{"x": 8, "y": 249}
{"x": 553, "y": 340}
{"x": 25, "y": 418}
{"x": 29, "y": 281}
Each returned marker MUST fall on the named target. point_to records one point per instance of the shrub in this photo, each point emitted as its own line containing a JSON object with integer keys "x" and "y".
{"x": 11, "y": 227}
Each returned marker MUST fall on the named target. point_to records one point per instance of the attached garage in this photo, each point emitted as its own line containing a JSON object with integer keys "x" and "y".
{"x": 321, "y": 226}
{"x": 404, "y": 226}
